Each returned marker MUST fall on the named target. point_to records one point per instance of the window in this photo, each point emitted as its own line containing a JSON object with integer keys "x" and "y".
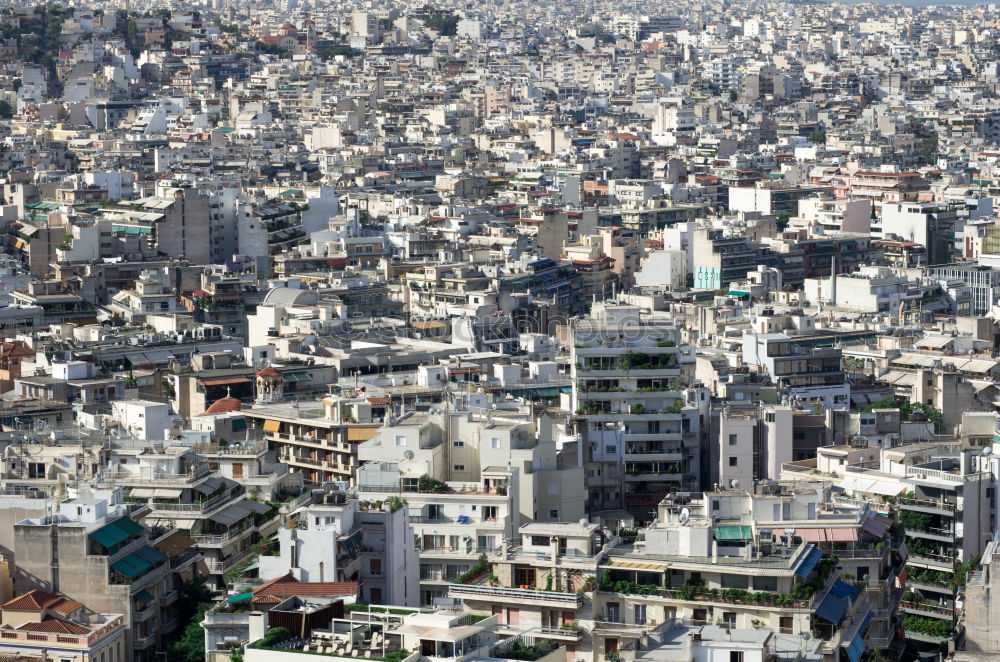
{"x": 540, "y": 541}
{"x": 769, "y": 417}
{"x": 715, "y": 504}
{"x": 732, "y": 461}
{"x": 611, "y": 450}
{"x": 732, "y": 440}
{"x": 400, "y": 439}
{"x": 553, "y": 513}
{"x": 735, "y": 656}
{"x": 375, "y": 567}
{"x": 458, "y": 444}
{"x": 458, "y": 467}
{"x": 495, "y": 442}
{"x": 640, "y": 614}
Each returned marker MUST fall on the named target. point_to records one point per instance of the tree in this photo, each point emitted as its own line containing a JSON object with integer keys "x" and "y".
{"x": 194, "y": 599}
{"x": 818, "y": 136}
{"x": 782, "y": 221}
{"x": 928, "y": 149}
{"x": 6, "y": 110}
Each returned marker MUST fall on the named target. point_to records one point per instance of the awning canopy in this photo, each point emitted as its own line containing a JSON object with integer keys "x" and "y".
{"x": 733, "y": 533}
{"x": 167, "y": 493}
{"x": 271, "y": 425}
{"x": 138, "y": 562}
{"x": 116, "y": 532}
{"x": 809, "y": 561}
{"x": 839, "y": 534}
{"x": 876, "y": 524}
{"x": 208, "y": 486}
{"x": 832, "y": 609}
{"x": 144, "y": 596}
{"x": 175, "y": 544}
{"x": 297, "y": 376}
{"x": 142, "y": 492}
{"x": 857, "y": 645}
{"x": 234, "y": 513}
{"x": 241, "y": 597}
{"x": 361, "y": 434}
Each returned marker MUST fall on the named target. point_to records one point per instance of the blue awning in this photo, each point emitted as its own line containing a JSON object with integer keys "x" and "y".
{"x": 241, "y": 597}
{"x": 833, "y": 608}
{"x": 809, "y": 561}
{"x": 857, "y": 646}
{"x": 842, "y": 590}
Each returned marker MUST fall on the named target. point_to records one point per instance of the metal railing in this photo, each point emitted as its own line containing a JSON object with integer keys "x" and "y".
{"x": 515, "y": 594}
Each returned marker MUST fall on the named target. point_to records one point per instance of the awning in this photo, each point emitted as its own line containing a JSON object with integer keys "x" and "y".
{"x": 844, "y": 590}
{"x": 138, "y": 562}
{"x": 733, "y": 533}
{"x": 209, "y": 486}
{"x": 223, "y": 381}
{"x": 271, "y": 425}
{"x": 876, "y": 524}
{"x": 809, "y": 561}
{"x": 637, "y": 565}
{"x": 833, "y": 608}
{"x": 142, "y": 492}
{"x": 144, "y": 596}
{"x": 361, "y": 434}
{"x": 175, "y": 544}
{"x": 232, "y": 514}
{"x": 116, "y": 532}
{"x": 857, "y": 644}
{"x": 811, "y": 535}
{"x": 240, "y": 598}
{"x": 167, "y": 493}
{"x": 842, "y": 534}
{"x": 184, "y": 524}
{"x": 297, "y": 376}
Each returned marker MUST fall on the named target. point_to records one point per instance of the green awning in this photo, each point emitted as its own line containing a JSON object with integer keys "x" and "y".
{"x": 144, "y": 596}
{"x": 297, "y": 376}
{"x": 138, "y": 561}
{"x": 291, "y": 191}
{"x": 733, "y": 533}
{"x": 132, "y": 229}
{"x": 241, "y": 597}
{"x": 738, "y": 293}
{"x": 116, "y": 532}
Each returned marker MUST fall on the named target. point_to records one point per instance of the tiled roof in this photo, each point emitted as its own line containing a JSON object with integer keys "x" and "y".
{"x": 287, "y": 585}
{"x": 55, "y": 625}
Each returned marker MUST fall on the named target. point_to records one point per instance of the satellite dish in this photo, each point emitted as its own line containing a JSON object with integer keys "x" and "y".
{"x": 734, "y": 483}
{"x": 684, "y": 516}
{"x": 408, "y": 455}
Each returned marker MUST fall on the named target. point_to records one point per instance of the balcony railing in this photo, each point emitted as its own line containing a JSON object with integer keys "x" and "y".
{"x": 514, "y": 594}
{"x": 198, "y": 471}
{"x": 202, "y": 506}
{"x": 232, "y": 533}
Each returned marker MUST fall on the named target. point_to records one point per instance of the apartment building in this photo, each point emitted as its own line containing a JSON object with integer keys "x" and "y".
{"x": 39, "y": 624}
{"x": 338, "y": 538}
{"x": 470, "y": 478}
{"x": 782, "y": 558}
{"x": 631, "y": 393}
{"x": 100, "y": 555}
{"x": 184, "y": 494}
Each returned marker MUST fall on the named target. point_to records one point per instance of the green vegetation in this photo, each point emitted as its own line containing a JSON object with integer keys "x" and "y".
{"x": 429, "y": 484}
{"x": 445, "y": 24}
{"x": 481, "y": 566}
{"x": 818, "y": 137}
{"x": 782, "y": 220}
{"x": 194, "y": 599}
{"x": 329, "y": 52}
{"x": 519, "y": 651}
{"x": 907, "y": 409}
{"x": 934, "y": 627}
{"x": 6, "y": 110}
{"x": 928, "y": 149}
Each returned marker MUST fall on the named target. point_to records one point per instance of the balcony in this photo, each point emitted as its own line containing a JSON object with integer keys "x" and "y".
{"x": 198, "y": 507}
{"x": 926, "y": 506}
{"x": 230, "y": 535}
{"x": 928, "y": 586}
{"x": 143, "y": 642}
{"x": 938, "y": 535}
{"x": 931, "y": 562}
{"x": 927, "y": 609}
{"x": 516, "y": 596}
